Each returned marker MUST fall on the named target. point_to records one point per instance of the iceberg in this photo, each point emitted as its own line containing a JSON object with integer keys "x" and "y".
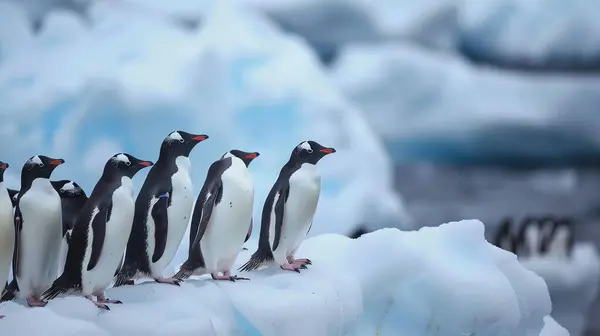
{"x": 431, "y": 107}
{"x": 446, "y": 280}
{"x": 573, "y": 284}
{"x": 127, "y": 81}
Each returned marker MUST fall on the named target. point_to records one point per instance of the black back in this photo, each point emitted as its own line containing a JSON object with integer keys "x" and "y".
{"x": 157, "y": 183}
{"x": 118, "y": 166}
{"x": 38, "y": 166}
{"x": 504, "y": 238}
{"x": 72, "y": 199}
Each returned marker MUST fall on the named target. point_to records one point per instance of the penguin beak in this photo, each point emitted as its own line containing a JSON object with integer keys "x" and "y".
{"x": 252, "y": 155}
{"x": 200, "y": 137}
{"x": 145, "y": 163}
{"x": 3, "y": 166}
{"x": 56, "y": 162}
{"x": 327, "y": 150}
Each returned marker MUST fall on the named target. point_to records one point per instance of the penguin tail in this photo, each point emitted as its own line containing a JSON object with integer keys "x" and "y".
{"x": 10, "y": 291}
{"x": 257, "y": 259}
{"x": 186, "y": 270}
{"x": 62, "y": 285}
{"x": 125, "y": 275}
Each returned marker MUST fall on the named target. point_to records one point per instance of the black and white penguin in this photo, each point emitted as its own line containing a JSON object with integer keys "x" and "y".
{"x": 162, "y": 211}
{"x": 100, "y": 233}
{"x": 72, "y": 198}
{"x": 221, "y": 218}
{"x": 38, "y": 232}
{"x": 289, "y": 209}
{"x": 7, "y": 228}
{"x": 504, "y": 237}
{"x": 560, "y": 241}
{"x": 14, "y": 194}
{"x": 530, "y": 236}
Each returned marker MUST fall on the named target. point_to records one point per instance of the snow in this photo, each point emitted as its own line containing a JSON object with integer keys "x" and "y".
{"x": 437, "y": 107}
{"x": 447, "y": 279}
{"x": 127, "y": 81}
{"x": 573, "y": 284}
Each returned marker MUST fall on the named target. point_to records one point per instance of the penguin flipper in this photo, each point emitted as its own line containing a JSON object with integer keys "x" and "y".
{"x": 278, "y": 209}
{"x": 98, "y": 226}
{"x": 161, "y": 225}
{"x": 18, "y": 219}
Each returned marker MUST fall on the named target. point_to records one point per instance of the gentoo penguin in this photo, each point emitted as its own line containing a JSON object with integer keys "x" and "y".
{"x": 221, "y": 217}
{"x": 504, "y": 238}
{"x": 72, "y": 199}
{"x": 14, "y": 194}
{"x": 529, "y": 237}
{"x": 289, "y": 209}
{"x": 100, "y": 233}
{"x": 559, "y": 242}
{"x": 162, "y": 211}
{"x": 7, "y": 230}
{"x": 38, "y": 231}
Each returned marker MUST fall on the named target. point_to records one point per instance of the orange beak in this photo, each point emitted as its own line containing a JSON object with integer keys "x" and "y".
{"x": 252, "y": 155}
{"x": 328, "y": 150}
{"x": 56, "y": 162}
{"x": 145, "y": 163}
{"x": 201, "y": 137}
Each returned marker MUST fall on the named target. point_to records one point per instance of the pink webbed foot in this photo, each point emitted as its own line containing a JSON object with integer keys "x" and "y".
{"x": 98, "y": 304}
{"x": 169, "y": 281}
{"x": 33, "y": 302}
{"x": 104, "y": 299}
{"x": 227, "y": 276}
{"x": 301, "y": 263}
{"x": 291, "y": 267}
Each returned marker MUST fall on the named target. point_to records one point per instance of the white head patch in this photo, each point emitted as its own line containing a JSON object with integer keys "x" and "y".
{"x": 36, "y": 160}
{"x": 123, "y": 158}
{"x": 305, "y": 145}
{"x": 68, "y": 187}
{"x": 175, "y": 136}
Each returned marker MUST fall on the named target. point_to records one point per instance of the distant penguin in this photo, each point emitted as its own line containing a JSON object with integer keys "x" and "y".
{"x": 221, "y": 218}
{"x": 72, "y": 199}
{"x": 100, "y": 233}
{"x": 7, "y": 230}
{"x": 529, "y": 238}
{"x": 559, "y": 243}
{"x": 14, "y": 194}
{"x": 504, "y": 238}
{"x": 38, "y": 232}
{"x": 162, "y": 211}
{"x": 289, "y": 209}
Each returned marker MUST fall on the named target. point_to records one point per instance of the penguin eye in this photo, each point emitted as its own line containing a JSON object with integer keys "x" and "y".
{"x": 127, "y": 163}
{"x": 41, "y": 164}
{"x": 181, "y": 140}
{"x": 309, "y": 151}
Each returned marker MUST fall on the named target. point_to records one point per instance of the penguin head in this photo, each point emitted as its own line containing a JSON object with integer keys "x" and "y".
{"x": 123, "y": 164}
{"x": 67, "y": 188}
{"x": 180, "y": 143}
{"x": 246, "y": 157}
{"x": 310, "y": 152}
{"x": 40, "y": 166}
{"x": 3, "y": 167}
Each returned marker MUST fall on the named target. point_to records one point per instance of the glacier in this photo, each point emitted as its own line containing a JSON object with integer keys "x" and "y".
{"x": 433, "y": 107}
{"x": 445, "y": 281}
{"x": 128, "y": 80}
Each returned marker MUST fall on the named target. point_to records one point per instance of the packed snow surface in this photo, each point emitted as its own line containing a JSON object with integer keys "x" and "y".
{"x": 125, "y": 82}
{"x": 573, "y": 284}
{"x": 446, "y": 280}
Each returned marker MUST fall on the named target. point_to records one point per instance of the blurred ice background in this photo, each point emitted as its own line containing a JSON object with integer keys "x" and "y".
{"x": 443, "y": 109}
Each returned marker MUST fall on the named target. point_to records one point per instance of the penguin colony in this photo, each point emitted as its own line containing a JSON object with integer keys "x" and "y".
{"x": 543, "y": 236}
{"x": 61, "y": 241}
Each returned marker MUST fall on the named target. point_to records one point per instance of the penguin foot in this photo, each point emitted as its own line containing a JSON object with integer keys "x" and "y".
{"x": 101, "y": 301}
{"x": 106, "y": 300}
{"x": 301, "y": 261}
{"x": 33, "y": 302}
{"x": 2, "y": 316}
{"x": 290, "y": 267}
{"x": 101, "y": 305}
{"x": 170, "y": 281}
{"x": 235, "y": 277}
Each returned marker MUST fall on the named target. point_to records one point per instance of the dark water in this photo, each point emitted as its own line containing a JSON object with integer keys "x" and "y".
{"x": 436, "y": 195}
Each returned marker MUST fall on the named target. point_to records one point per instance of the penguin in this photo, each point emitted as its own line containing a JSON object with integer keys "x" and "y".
{"x": 7, "y": 230}
{"x": 221, "y": 218}
{"x": 529, "y": 238}
{"x": 38, "y": 232}
{"x": 162, "y": 210}
{"x": 289, "y": 209}
{"x": 560, "y": 241}
{"x": 72, "y": 199}
{"x": 14, "y": 194}
{"x": 100, "y": 233}
{"x": 504, "y": 238}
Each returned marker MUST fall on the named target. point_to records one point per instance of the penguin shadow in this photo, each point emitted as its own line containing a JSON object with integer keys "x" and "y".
{"x": 537, "y": 236}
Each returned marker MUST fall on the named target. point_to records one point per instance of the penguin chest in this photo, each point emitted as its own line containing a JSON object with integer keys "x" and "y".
{"x": 229, "y": 221}
{"x": 559, "y": 242}
{"x": 118, "y": 227}
{"x": 7, "y": 232}
{"x": 305, "y": 187}
{"x": 533, "y": 239}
